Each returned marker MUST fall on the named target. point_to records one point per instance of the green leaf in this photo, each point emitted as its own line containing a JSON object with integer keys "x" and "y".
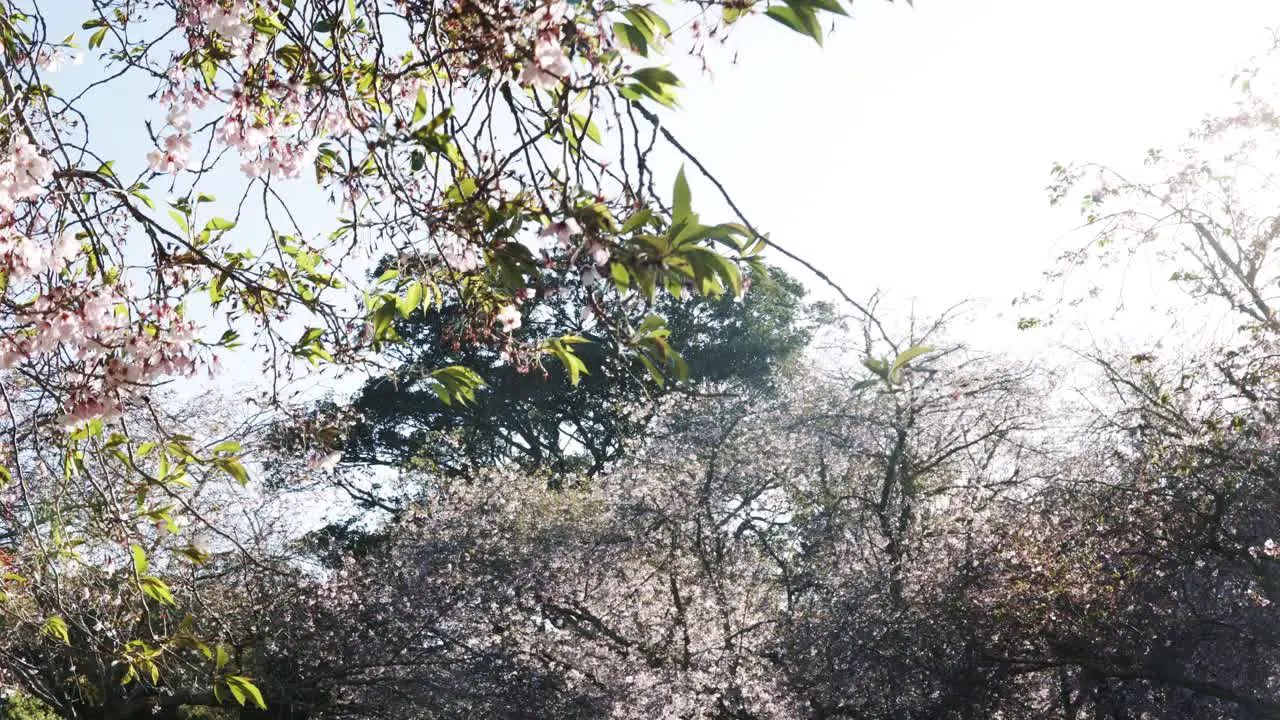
{"x": 654, "y": 373}
{"x": 209, "y": 71}
{"x": 456, "y": 383}
{"x": 713, "y": 271}
{"x": 631, "y": 38}
{"x": 642, "y": 216}
{"x": 181, "y": 220}
{"x": 240, "y": 686}
{"x": 649, "y": 22}
{"x": 219, "y": 224}
{"x": 621, "y": 278}
{"x": 309, "y": 336}
{"x": 235, "y": 470}
{"x": 140, "y": 563}
{"x": 420, "y": 106}
{"x": 461, "y": 190}
{"x": 731, "y": 13}
{"x": 831, "y": 6}
{"x": 636, "y": 92}
{"x": 236, "y": 692}
{"x": 907, "y": 356}
{"x": 656, "y": 78}
{"x": 681, "y": 199}
{"x": 56, "y": 627}
{"x": 412, "y": 298}
{"x": 803, "y": 21}
{"x": 157, "y": 590}
{"x": 195, "y": 555}
{"x": 439, "y": 120}
{"x": 562, "y": 350}
{"x": 879, "y": 367}
{"x": 222, "y": 658}
{"x": 583, "y": 125}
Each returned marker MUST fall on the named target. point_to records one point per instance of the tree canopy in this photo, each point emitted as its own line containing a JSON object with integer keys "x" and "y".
{"x": 593, "y": 464}
{"x": 548, "y": 420}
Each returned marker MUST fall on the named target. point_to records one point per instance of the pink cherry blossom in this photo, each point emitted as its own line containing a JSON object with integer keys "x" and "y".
{"x": 509, "y": 318}
{"x": 549, "y": 66}
{"x": 562, "y": 231}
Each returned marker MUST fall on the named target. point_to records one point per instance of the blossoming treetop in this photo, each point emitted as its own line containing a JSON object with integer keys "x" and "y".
{"x": 486, "y": 154}
{"x": 450, "y": 135}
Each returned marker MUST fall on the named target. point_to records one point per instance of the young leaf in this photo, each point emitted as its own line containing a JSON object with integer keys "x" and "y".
{"x": 420, "y": 106}
{"x": 831, "y": 6}
{"x": 653, "y": 25}
{"x": 583, "y": 125}
{"x": 632, "y": 38}
{"x": 681, "y": 201}
{"x": 240, "y": 686}
{"x": 56, "y": 627}
{"x": 656, "y": 78}
{"x": 412, "y": 299}
{"x": 235, "y": 470}
{"x": 219, "y": 224}
{"x": 236, "y": 692}
{"x": 157, "y": 590}
{"x": 140, "y": 564}
{"x": 636, "y": 221}
{"x": 803, "y": 20}
{"x": 907, "y": 356}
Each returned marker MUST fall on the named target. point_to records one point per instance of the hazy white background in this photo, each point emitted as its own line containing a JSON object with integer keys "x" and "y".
{"x": 912, "y": 152}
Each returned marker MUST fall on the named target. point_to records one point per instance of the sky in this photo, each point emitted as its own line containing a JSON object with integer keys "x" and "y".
{"x": 911, "y": 153}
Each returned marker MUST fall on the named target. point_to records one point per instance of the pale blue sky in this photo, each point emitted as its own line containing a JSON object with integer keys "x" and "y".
{"x": 911, "y": 153}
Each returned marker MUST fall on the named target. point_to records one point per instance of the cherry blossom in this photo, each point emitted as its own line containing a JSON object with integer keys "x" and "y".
{"x": 509, "y": 318}
{"x": 562, "y": 231}
{"x": 549, "y": 67}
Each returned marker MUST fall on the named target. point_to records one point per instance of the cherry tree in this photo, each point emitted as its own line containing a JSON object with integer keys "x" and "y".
{"x": 480, "y": 155}
{"x": 708, "y": 575}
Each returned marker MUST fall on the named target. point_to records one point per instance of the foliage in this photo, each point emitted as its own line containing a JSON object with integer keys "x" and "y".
{"x": 543, "y": 419}
{"x": 24, "y": 707}
{"x": 903, "y": 528}
{"x": 183, "y": 178}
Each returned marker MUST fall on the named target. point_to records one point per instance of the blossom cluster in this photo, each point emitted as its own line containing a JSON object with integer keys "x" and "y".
{"x": 1268, "y": 549}
{"x": 549, "y": 65}
{"x": 248, "y": 80}
{"x": 74, "y": 316}
{"x": 270, "y": 121}
{"x": 24, "y": 172}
